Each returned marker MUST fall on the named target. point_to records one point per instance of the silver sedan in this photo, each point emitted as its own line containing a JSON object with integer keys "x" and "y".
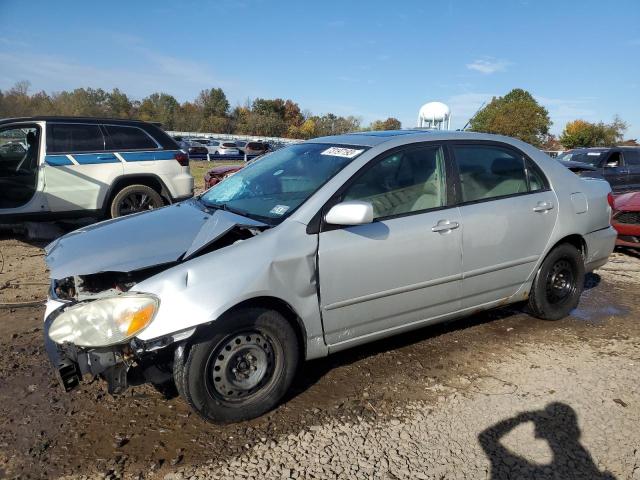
{"x": 319, "y": 247}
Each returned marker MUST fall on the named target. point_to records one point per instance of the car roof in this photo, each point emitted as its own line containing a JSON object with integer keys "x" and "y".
{"x": 373, "y": 138}
{"x": 67, "y": 119}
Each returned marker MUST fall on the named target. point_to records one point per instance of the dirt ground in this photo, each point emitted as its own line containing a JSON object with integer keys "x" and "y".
{"x": 498, "y": 395}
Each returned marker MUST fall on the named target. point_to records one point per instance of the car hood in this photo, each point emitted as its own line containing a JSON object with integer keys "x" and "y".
{"x": 627, "y": 201}
{"x": 142, "y": 240}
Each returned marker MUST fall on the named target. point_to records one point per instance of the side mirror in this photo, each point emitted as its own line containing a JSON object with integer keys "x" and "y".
{"x": 352, "y": 212}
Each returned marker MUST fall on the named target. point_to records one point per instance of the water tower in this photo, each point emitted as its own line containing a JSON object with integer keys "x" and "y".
{"x": 434, "y": 115}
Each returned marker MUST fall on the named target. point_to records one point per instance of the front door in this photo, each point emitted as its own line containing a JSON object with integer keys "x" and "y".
{"x": 404, "y": 267}
{"x": 508, "y": 213}
{"x": 615, "y": 171}
{"x": 19, "y": 156}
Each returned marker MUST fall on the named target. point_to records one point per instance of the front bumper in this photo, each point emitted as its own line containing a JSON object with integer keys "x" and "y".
{"x": 628, "y": 234}
{"x": 121, "y": 366}
{"x": 71, "y": 363}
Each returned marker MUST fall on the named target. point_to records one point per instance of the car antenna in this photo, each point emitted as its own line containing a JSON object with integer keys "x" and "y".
{"x": 471, "y": 118}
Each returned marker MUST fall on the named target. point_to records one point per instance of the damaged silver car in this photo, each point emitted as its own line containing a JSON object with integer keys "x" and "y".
{"x": 319, "y": 247}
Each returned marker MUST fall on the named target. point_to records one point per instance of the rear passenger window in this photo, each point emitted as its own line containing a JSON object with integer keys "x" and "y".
{"x": 71, "y": 137}
{"x": 489, "y": 172}
{"x": 404, "y": 182}
{"x": 127, "y": 138}
{"x": 632, "y": 157}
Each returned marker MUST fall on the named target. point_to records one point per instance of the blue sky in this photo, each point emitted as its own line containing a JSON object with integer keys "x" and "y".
{"x": 581, "y": 59}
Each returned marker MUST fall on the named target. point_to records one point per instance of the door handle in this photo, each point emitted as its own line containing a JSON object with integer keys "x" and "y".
{"x": 543, "y": 207}
{"x": 445, "y": 226}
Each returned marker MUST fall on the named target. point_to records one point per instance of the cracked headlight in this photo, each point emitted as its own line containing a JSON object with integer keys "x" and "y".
{"x": 106, "y": 321}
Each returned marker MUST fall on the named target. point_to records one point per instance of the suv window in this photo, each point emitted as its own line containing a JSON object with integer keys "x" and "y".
{"x": 489, "y": 172}
{"x": 407, "y": 181}
{"x": 127, "y": 138}
{"x": 74, "y": 137}
{"x": 632, "y": 157}
{"x": 255, "y": 146}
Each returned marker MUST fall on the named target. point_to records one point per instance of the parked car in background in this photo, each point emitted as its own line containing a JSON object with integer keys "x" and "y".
{"x": 217, "y": 174}
{"x": 316, "y": 248}
{"x": 620, "y": 166}
{"x": 241, "y": 144}
{"x": 64, "y": 167}
{"x": 225, "y": 148}
{"x": 626, "y": 219}
{"x": 195, "y": 150}
{"x": 256, "y": 148}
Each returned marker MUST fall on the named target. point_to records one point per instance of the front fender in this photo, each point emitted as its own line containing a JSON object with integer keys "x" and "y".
{"x": 280, "y": 263}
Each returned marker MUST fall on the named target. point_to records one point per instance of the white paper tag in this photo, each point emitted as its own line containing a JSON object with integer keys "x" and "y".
{"x": 595, "y": 154}
{"x": 279, "y": 209}
{"x": 342, "y": 152}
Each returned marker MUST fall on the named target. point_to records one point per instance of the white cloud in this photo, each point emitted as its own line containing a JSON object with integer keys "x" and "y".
{"x": 153, "y": 72}
{"x": 488, "y": 65}
{"x": 563, "y": 110}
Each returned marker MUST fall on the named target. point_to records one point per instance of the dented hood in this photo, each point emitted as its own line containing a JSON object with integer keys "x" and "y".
{"x": 141, "y": 240}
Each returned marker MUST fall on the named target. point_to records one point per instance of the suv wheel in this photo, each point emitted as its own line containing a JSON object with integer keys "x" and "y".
{"x": 559, "y": 283}
{"x": 242, "y": 369}
{"x": 135, "y": 198}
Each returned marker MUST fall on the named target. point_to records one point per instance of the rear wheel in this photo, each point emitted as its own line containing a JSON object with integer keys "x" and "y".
{"x": 242, "y": 369}
{"x": 559, "y": 283}
{"x": 133, "y": 199}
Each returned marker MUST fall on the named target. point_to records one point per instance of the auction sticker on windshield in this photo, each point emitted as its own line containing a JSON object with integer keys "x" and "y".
{"x": 279, "y": 209}
{"x": 342, "y": 152}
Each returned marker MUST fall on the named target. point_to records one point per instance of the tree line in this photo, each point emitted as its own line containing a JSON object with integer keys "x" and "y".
{"x": 519, "y": 115}
{"x": 516, "y": 114}
{"x": 210, "y": 111}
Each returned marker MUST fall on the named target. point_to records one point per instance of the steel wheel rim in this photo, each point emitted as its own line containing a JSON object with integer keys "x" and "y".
{"x": 135, "y": 202}
{"x": 561, "y": 282}
{"x": 241, "y": 365}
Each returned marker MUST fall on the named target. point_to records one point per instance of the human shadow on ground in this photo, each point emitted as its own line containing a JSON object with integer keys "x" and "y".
{"x": 558, "y": 425}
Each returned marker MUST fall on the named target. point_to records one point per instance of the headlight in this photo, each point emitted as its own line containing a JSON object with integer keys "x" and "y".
{"x": 104, "y": 322}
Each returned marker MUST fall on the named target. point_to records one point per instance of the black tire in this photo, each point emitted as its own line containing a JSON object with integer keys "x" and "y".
{"x": 559, "y": 283}
{"x": 133, "y": 199}
{"x": 242, "y": 369}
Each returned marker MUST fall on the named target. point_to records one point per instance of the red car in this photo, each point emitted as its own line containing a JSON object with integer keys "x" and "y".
{"x": 217, "y": 174}
{"x": 626, "y": 219}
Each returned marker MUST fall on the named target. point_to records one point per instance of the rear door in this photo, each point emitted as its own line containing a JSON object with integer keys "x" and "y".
{"x": 632, "y": 162}
{"x": 78, "y": 170}
{"x": 403, "y": 268}
{"x": 508, "y": 213}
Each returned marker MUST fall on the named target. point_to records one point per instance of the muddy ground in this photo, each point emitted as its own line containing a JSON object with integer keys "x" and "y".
{"x": 414, "y": 406}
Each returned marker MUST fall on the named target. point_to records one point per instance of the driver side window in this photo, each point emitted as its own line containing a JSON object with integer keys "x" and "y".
{"x": 404, "y": 182}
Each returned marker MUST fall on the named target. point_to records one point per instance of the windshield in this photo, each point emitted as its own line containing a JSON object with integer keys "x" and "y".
{"x": 280, "y": 182}
{"x": 590, "y": 158}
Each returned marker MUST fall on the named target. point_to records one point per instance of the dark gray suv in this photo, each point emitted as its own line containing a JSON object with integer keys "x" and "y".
{"x": 620, "y": 166}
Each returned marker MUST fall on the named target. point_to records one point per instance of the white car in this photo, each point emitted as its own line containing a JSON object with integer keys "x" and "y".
{"x": 223, "y": 148}
{"x": 64, "y": 167}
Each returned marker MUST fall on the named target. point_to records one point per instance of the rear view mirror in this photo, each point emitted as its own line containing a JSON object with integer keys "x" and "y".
{"x": 352, "y": 212}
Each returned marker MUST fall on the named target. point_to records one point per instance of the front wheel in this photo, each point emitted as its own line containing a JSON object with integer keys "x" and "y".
{"x": 559, "y": 283}
{"x": 242, "y": 369}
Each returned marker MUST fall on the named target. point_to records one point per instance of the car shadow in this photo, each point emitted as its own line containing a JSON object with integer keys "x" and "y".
{"x": 557, "y": 424}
